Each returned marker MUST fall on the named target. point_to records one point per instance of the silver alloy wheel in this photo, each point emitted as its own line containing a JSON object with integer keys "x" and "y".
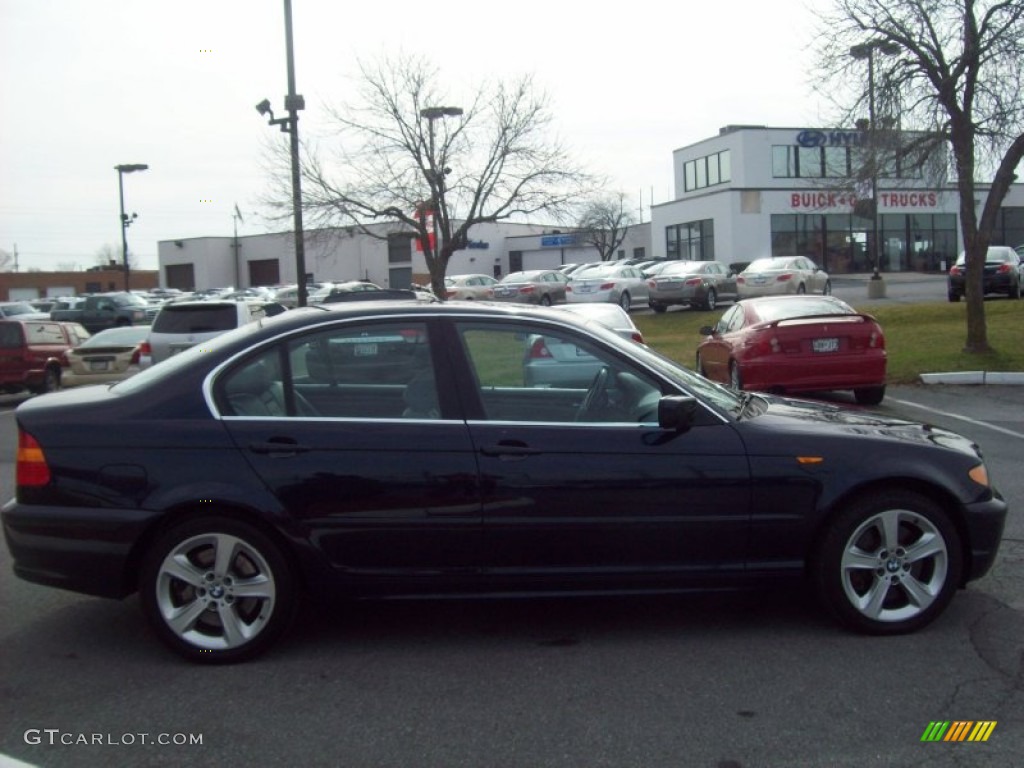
{"x": 894, "y": 565}
{"x": 215, "y": 591}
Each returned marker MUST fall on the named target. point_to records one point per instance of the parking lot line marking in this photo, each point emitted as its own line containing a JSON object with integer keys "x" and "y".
{"x": 1003, "y": 430}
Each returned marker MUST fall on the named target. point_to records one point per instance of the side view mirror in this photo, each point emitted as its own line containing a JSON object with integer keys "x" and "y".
{"x": 677, "y": 412}
{"x": 706, "y": 330}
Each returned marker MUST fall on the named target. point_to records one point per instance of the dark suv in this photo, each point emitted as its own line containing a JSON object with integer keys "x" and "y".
{"x": 31, "y": 353}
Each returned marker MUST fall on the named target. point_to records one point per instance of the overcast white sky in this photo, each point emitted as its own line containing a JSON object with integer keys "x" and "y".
{"x": 89, "y": 84}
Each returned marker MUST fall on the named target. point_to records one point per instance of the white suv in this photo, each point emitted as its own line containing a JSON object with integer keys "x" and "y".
{"x": 180, "y": 325}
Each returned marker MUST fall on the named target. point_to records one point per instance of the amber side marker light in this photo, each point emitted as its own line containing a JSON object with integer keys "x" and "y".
{"x": 979, "y": 475}
{"x": 810, "y": 460}
{"x": 32, "y": 469}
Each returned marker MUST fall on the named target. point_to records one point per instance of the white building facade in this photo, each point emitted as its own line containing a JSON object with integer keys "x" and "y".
{"x": 754, "y": 191}
{"x": 388, "y": 258}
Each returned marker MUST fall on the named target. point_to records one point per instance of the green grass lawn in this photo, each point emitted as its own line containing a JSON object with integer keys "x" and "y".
{"x": 920, "y": 338}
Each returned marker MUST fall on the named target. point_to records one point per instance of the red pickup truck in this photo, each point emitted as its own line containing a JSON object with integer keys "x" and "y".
{"x": 32, "y": 353}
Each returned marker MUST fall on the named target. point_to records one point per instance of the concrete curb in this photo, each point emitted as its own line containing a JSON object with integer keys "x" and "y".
{"x": 975, "y": 377}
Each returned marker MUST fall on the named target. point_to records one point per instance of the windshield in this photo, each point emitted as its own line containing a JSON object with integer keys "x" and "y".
{"x": 682, "y": 268}
{"x": 10, "y": 310}
{"x": 802, "y": 307}
{"x": 598, "y": 271}
{"x": 764, "y": 265}
{"x": 520, "y": 277}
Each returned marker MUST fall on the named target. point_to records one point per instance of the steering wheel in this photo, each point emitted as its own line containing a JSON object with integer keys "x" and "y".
{"x": 595, "y": 394}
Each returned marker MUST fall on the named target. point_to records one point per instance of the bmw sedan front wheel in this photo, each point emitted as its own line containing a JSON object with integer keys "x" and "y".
{"x": 889, "y": 563}
{"x": 217, "y": 590}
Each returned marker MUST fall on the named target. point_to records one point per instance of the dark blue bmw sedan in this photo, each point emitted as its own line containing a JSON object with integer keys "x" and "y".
{"x": 396, "y": 449}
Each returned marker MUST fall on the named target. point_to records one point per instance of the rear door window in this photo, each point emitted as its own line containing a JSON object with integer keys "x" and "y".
{"x": 45, "y": 333}
{"x": 195, "y": 319}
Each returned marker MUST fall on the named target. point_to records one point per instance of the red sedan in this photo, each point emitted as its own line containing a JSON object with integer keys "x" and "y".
{"x": 796, "y": 344}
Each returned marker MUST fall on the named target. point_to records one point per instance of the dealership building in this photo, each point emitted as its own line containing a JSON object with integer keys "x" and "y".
{"x": 754, "y": 191}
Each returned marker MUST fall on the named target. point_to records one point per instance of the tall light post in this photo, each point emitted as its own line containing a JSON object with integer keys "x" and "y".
{"x": 126, "y": 221}
{"x": 434, "y": 174}
{"x": 861, "y": 52}
{"x": 293, "y": 102}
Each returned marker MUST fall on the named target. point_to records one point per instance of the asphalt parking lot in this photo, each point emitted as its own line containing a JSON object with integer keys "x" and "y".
{"x": 734, "y": 680}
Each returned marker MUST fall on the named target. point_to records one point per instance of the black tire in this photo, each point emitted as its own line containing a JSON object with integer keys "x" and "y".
{"x": 51, "y": 381}
{"x": 1015, "y": 291}
{"x": 700, "y": 366}
{"x": 659, "y": 308}
{"x": 625, "y": 302}
{"x": 187, "y": 594}
{"x": 545, "y": 300}
{"x": 801, "y": 289}
{"x": 711, "y": 300}
{"x": 889, "y": 563}
{"x": 869, "y": 395}
{"x": 735, "y": 377}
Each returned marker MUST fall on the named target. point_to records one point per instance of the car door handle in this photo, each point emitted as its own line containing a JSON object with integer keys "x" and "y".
{"x": 509, "y": 449}
{"x": 281, "y": 446}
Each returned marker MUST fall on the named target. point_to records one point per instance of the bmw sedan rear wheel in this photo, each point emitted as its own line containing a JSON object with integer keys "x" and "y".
{"x": 889, "y": 563}
{"x": 217, "y": 590}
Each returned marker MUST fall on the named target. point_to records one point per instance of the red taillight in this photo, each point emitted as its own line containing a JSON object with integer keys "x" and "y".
{"x": 784, "y": 277}
{"x": 692, "y": 281}
{"x": 1004, "y": 268}
{"x": 607, "y": 287}
{"x": 450, "y": 294}
{"x": 956, "y": 270}
{"x": 32, "y": 469}
{"x": 741, "y": 280}
{"x": 528, "y": 289}
{"x": 638, "y": 337}
{"x": 135, "y": 356}
{"x": 568, "y": 288}
{"x": 539, "y": 350}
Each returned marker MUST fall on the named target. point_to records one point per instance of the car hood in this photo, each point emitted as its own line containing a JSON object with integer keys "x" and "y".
{"x": 822, "y": 420}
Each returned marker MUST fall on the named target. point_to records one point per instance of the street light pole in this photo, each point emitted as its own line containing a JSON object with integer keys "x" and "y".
{"x": 435, "y": 174}
{"x": 126, "y": 221}
{"x": 293, "y": 102}
{"x": 860, "y": 52}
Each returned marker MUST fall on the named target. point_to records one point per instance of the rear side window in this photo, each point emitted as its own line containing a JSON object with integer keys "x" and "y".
{"x": 10, "y": 334}
{"x": 44, "y": 333}
{"x": 195, "y": 319}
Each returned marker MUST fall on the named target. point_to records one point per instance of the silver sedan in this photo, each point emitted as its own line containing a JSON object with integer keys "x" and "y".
{"x": 620, "y": 284}
{"x": 781, "y": 275}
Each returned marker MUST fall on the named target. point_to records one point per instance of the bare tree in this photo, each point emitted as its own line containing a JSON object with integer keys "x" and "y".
{"x": 604, "y": 224}
{"x": 955, "y": 69}
{"x": 110, "y": 256}
{"x": 401, "y": 154}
